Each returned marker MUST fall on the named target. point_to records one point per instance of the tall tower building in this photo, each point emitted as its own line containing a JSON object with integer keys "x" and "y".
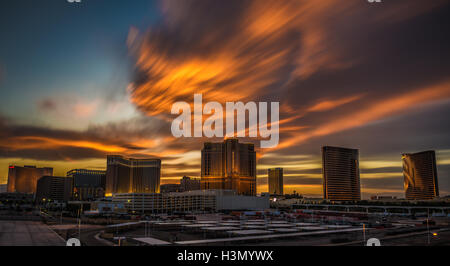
{"x": 420, "y": 176}
{"x": 275, "y": 181}
{"x": 127, "y": 175}
{"x": 24, "y": 179}
{"x": 340, "y": 169}
{"x": 229, "y": 165}
{"x": 54, "y": 188}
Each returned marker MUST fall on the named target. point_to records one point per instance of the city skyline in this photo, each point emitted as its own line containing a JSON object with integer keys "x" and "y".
{"x": 340, "y": 174}
{"x": 380, "y": 86}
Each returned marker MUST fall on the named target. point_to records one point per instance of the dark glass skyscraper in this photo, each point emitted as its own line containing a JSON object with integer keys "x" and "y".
{"x": 275, "y": 181}
{"x": 229, "y": 165}
{"x": 420, "y": 176}
{"x": 88, "y": 184}
{"x": 340, "y": 169}
{"x": 127, "y": 175}
{"x": 24, "y": 179}
{"x": 54, "y": 188}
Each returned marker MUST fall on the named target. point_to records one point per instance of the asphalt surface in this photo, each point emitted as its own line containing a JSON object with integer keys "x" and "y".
{"x": 28, "y": 233}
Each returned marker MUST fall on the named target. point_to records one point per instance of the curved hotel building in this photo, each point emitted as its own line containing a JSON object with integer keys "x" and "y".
{"x": 128, "y": 175}
{"x": 420, "y": 176}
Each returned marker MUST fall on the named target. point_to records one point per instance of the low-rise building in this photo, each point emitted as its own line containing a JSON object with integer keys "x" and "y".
{"x": 383, "y": 198}
{"x": 191, "y": 201}
{"x": 189, "y": 184}
{"x": 186, "y": 184}
{"x": 168, "y": 188}
{"x": 105, "y": 208}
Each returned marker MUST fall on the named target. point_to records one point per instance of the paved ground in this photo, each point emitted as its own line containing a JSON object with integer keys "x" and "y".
{"x": 75, "y": 227}
{"x": 28, "y": 233}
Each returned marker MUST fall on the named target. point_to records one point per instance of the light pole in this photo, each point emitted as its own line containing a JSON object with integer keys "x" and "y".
{"x": 79, "y": 221}
{"x": 364, "y": 234}
{"x": 428, "y": 226}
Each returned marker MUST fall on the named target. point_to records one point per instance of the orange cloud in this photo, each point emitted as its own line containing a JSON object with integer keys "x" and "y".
{"x": 269, "y": 38}
{"x": 33, "y": 142}
{"x": 326, "y": 105}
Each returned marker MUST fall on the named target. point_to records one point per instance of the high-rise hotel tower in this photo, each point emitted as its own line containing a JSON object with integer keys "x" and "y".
{"x": 127, "y": 175}
{"x": 275, "y": 181}
{"x": 340, "y": 169}
{"x": 420, "y": 176}
{"x": 229, "y": 165}
{"x": 24, "y": 179}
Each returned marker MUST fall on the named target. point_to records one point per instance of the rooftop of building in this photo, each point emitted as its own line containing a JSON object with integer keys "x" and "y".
{"x": 73, "y": 171}
{"x": 133, "y": 159}
{"x": 339, "y": 148}
{"x": 417, "y": 153}
{"x": 230, "y": 140}
{"x": 12, "y": 166}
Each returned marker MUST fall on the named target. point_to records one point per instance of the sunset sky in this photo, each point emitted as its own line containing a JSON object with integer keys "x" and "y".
{"x": 79, "y": 81}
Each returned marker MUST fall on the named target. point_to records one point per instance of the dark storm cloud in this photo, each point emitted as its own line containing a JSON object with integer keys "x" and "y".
{"x": 383, "y": 170}
{"x": 394, "y": 183}
{"x": 41, "y": 143}
{"x": 58, "y": 154}
{"x": 420, "y": 129}
{"x": 138, "y": 127}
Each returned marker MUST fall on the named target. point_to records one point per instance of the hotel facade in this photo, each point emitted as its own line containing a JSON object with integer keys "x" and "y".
{"x": 229, "y": 165}
{"x": 24, "y": 179}
{"x": 128, "y": 175}
{"x": 420, "y": 176}
{"x": 54, "y": 188}
{"x": 88, "y": 184}
{"x": 190, "y": 201}
{"x": 275, "y": 176}
{"x": 341, "y": 177}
